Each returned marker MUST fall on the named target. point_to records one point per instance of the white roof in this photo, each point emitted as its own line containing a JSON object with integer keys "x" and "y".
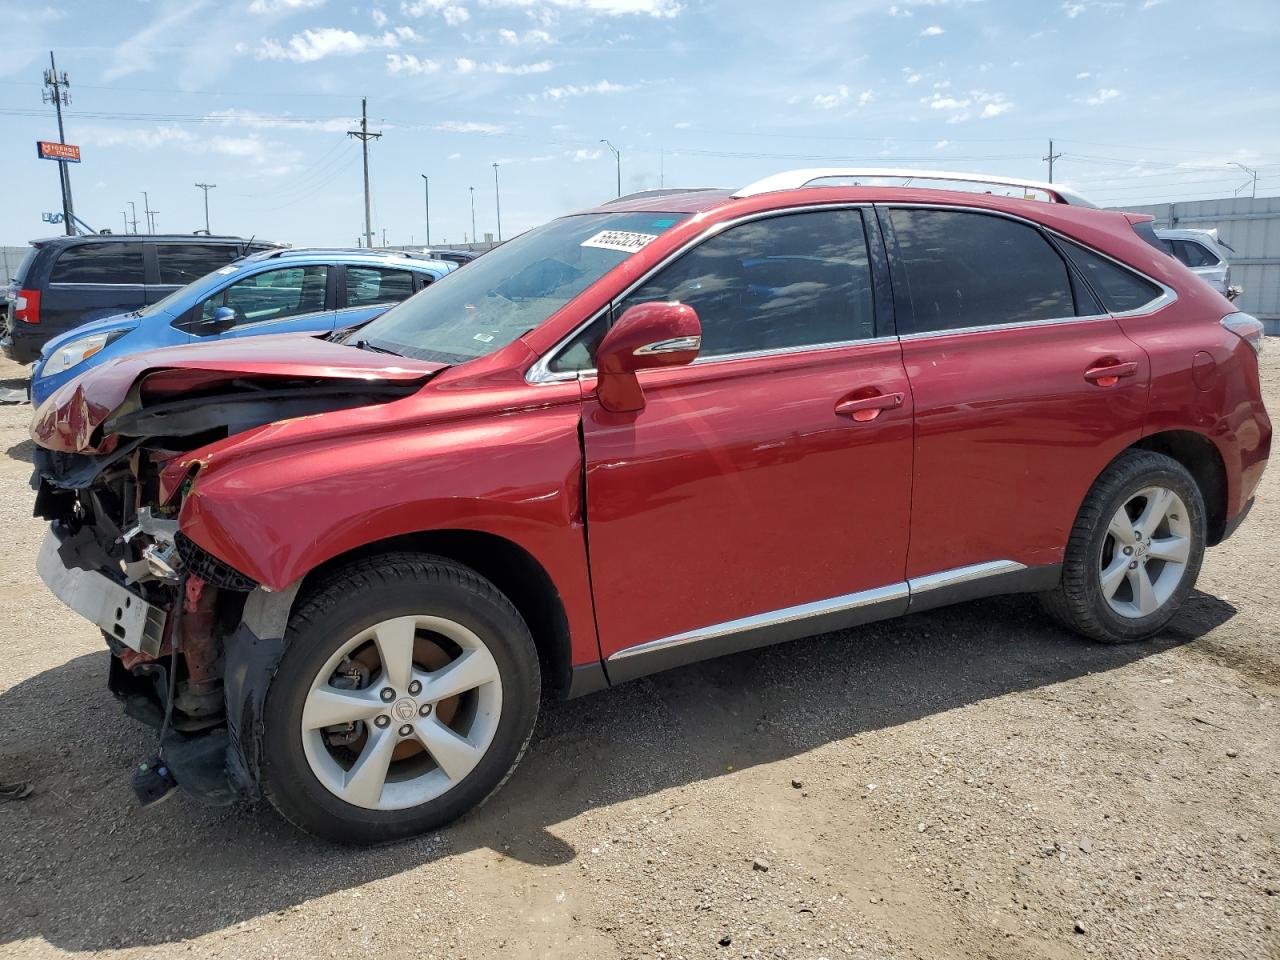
{"x": 795, "y": 179}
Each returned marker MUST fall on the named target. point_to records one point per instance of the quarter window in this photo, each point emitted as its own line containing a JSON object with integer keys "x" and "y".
{"x": 369, "y": 285}
{"x": 965, "y": 270}
{"x": 99, "y": 263}
{"x": 797, "y": 280}
{"x": 181, "y": 263}
{"x": 1119, "y": 288}
{"x": 272, "y": 295}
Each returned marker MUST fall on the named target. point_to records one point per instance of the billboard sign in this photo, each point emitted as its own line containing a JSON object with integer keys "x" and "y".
{"x": 52, "y": 150}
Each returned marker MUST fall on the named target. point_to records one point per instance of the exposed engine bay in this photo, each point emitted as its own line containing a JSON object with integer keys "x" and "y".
{"x": 167, "y": 608}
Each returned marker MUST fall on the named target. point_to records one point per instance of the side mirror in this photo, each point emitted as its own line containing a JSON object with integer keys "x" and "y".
{"x": 224, "y": 318}
{"x": 647, "y": 335}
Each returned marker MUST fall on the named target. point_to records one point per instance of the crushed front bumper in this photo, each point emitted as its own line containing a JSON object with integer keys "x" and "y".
{"x": 114, "y": 608}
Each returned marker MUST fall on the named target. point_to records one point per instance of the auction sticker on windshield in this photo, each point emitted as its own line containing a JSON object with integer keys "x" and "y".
{"x": 622, "y": 240}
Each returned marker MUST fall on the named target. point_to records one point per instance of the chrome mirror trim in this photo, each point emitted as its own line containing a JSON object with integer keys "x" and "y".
{"x": 673, "y": 345}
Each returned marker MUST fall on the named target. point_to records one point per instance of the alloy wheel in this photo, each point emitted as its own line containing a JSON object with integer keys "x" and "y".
{"x": 401, "y": 712}
{"x": 1145, "y": 552}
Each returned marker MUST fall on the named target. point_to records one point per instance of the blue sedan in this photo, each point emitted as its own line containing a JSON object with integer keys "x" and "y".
{"x": 276, "y": 291}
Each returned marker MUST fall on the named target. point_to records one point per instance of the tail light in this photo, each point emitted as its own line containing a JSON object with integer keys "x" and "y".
{"x": 1247, "y": 328}
{"x": 26, "y": 306}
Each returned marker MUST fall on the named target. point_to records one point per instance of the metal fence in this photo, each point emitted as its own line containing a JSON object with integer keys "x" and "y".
{"x": 1252, "y": 228}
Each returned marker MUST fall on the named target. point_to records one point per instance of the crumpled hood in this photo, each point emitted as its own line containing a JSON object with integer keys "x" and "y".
{"x": 119, "y": 321}
{"x": 68, "y": 419}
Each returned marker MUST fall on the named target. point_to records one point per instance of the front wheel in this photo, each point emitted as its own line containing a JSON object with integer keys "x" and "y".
{"x": 1134, "y": 552}
{"x": 406, "y": 695}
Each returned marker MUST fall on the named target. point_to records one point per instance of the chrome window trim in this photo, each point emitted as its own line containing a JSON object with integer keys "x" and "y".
{"x": 539, "y": 372}
{"x": 805, "y": 611}
{"x": 1167, "y": 294}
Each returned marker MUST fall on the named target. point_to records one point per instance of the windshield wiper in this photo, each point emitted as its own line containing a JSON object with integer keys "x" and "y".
{"x": 366, "y": 345}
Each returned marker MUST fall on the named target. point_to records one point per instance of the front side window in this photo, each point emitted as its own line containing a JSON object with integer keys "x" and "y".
{"x": 367, "y": 286}
{"x": 181, "y": 263}
{"x": 966, "y": 269}
{"x": 513, "y": 288}
{"x": 99, "y": 263}
{"x": 1120, "y": 289}
{"x": 272, "y": 295}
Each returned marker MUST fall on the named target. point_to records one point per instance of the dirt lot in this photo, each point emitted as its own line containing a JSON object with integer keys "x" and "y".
{"x": 971, "y": 782}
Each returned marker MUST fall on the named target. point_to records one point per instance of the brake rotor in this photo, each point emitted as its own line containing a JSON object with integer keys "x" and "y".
{"x": 428, "y": 656}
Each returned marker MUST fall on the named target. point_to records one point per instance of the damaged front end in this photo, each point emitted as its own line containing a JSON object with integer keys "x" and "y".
{"x": 193, "y": 640}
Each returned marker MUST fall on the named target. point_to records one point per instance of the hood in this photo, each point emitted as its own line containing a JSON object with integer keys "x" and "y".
{"x": 120, "y": 321}
{"x": 282, "y": 365}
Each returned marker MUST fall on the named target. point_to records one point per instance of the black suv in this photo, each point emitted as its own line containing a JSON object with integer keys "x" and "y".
{"x": 66, "y": 281}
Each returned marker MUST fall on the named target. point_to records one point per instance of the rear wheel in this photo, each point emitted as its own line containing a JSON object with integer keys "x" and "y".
{"x": 406, "y": 696}
{"x": 1134, "y": 552}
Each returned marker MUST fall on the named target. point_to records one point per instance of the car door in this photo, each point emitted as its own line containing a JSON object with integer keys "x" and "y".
{"x": 762, "y": 493}
{"x": 1024, "y": 389}
{"x": 367, "y": 291}
{"x": 282, "y": 299}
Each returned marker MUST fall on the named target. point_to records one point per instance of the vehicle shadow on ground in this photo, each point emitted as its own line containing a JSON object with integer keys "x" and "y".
{"x": 82, "y": 868}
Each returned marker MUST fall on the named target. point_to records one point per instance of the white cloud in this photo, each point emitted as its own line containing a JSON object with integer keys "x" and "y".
{"x": 580, "y": 155}
{"x": 941, "y": 143}
{"x": 995, "y": 108}
{"x": 467, "y": 126}
{"x": 581, "y": 90}
{"x": 1105, "y": 95}
{"x": 136, "y": 53}
{"x": 464, "y": 65}
{"x": 865, "y": 97}
{"x": 897, "y": 11}
{"x": 1085, "y": 75}
{"x": 311, "y": 45}
{"x": 610, "y": 8}
{"x": 939, "y": 102}
{"x": 829, "y": 101}
{"x": 683, "y": 125}
{"x": 283, "y": 6}
{"x": 932, "y": 31}
{"x": 379, "y": 18}
{"x": 530, "y": 38}
{"x": 454, "y": 156}
{"x": 913, "y": 78}
{"x": 1073, "y": 9}
{"x": 409, "y": 65}
{"x": 452, "y": 11}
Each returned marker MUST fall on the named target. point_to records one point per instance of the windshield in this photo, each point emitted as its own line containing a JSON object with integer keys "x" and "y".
{"x": 512, "y": 288}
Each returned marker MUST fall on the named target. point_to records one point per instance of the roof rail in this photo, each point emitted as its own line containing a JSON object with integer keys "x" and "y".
{"x": 795, "y": 179}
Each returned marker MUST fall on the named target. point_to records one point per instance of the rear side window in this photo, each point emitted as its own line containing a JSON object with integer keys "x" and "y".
{"x": 181, "y": 263}
{"x": 371, "y": 285}
{"x": 1119, "y": 288}
{"x": 798, "y": 280}
{"x": 974, "y": 270}
{"x": 99, "y": 263}
{"x": 1194, "y": 254}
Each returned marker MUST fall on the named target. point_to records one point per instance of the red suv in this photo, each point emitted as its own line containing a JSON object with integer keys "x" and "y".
{"x": 341, "y": 570}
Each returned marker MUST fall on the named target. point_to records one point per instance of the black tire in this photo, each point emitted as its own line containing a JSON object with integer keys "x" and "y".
{"x": 1078, "y": 603}
{"x": 350, "y": 600}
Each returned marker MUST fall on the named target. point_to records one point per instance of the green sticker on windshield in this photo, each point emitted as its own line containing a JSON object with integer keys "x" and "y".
{"x": 663, "y": 224}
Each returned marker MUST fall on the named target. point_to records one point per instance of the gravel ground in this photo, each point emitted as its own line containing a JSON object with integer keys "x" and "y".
{"x": 969, "y": 782}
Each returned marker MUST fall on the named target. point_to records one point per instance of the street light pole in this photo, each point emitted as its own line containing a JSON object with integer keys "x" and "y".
{"x": 134, "y": 210}
{"x": 497, "y": 199}
{"x": 1253, "y": 176}
{"x": 426, "y": 198}
{"x": 473, "y": 214}
{"x": 617, "y": 158}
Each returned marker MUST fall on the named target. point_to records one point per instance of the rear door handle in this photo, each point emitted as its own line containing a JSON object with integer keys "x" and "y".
{"x": 1109, "y": 374}
{"x": 868, "y": 408}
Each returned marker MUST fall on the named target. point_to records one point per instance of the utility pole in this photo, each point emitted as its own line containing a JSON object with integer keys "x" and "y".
{"x": 497, "y": 199}
{"x": 58, "y": 92}
{"x": 125, "y": 214}
{"x": 1051, "y": 157}
{"x": 384, "y": 236}
{"x": 473, "y": 215}
{"x": 617, "y": 158}
{"x": 206, "y": 187}
{"x": 364, "y": 136}
{"x": 426, "y": 197}
{"x": 153, "y": 220}
{"x": 134, "y": 209}
{"x": 1253, "y": 174}
{"x": 146, "y": 212}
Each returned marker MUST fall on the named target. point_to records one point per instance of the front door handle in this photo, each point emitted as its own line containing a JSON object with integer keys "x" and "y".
{"x": 868, "y": 408}
{"x": 1109, "y": 374}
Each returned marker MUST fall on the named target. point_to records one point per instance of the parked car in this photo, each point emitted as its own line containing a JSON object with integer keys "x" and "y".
{"x": 274, "y": 291}
{"x": 459, "y": 257}
{"x": 661, "y": 430}
{"x": 66, "y": 281}
{"x": 1205, "y": 254}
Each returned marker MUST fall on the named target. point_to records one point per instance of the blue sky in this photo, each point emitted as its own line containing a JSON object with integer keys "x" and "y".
{"x": 1146, "y": 99}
